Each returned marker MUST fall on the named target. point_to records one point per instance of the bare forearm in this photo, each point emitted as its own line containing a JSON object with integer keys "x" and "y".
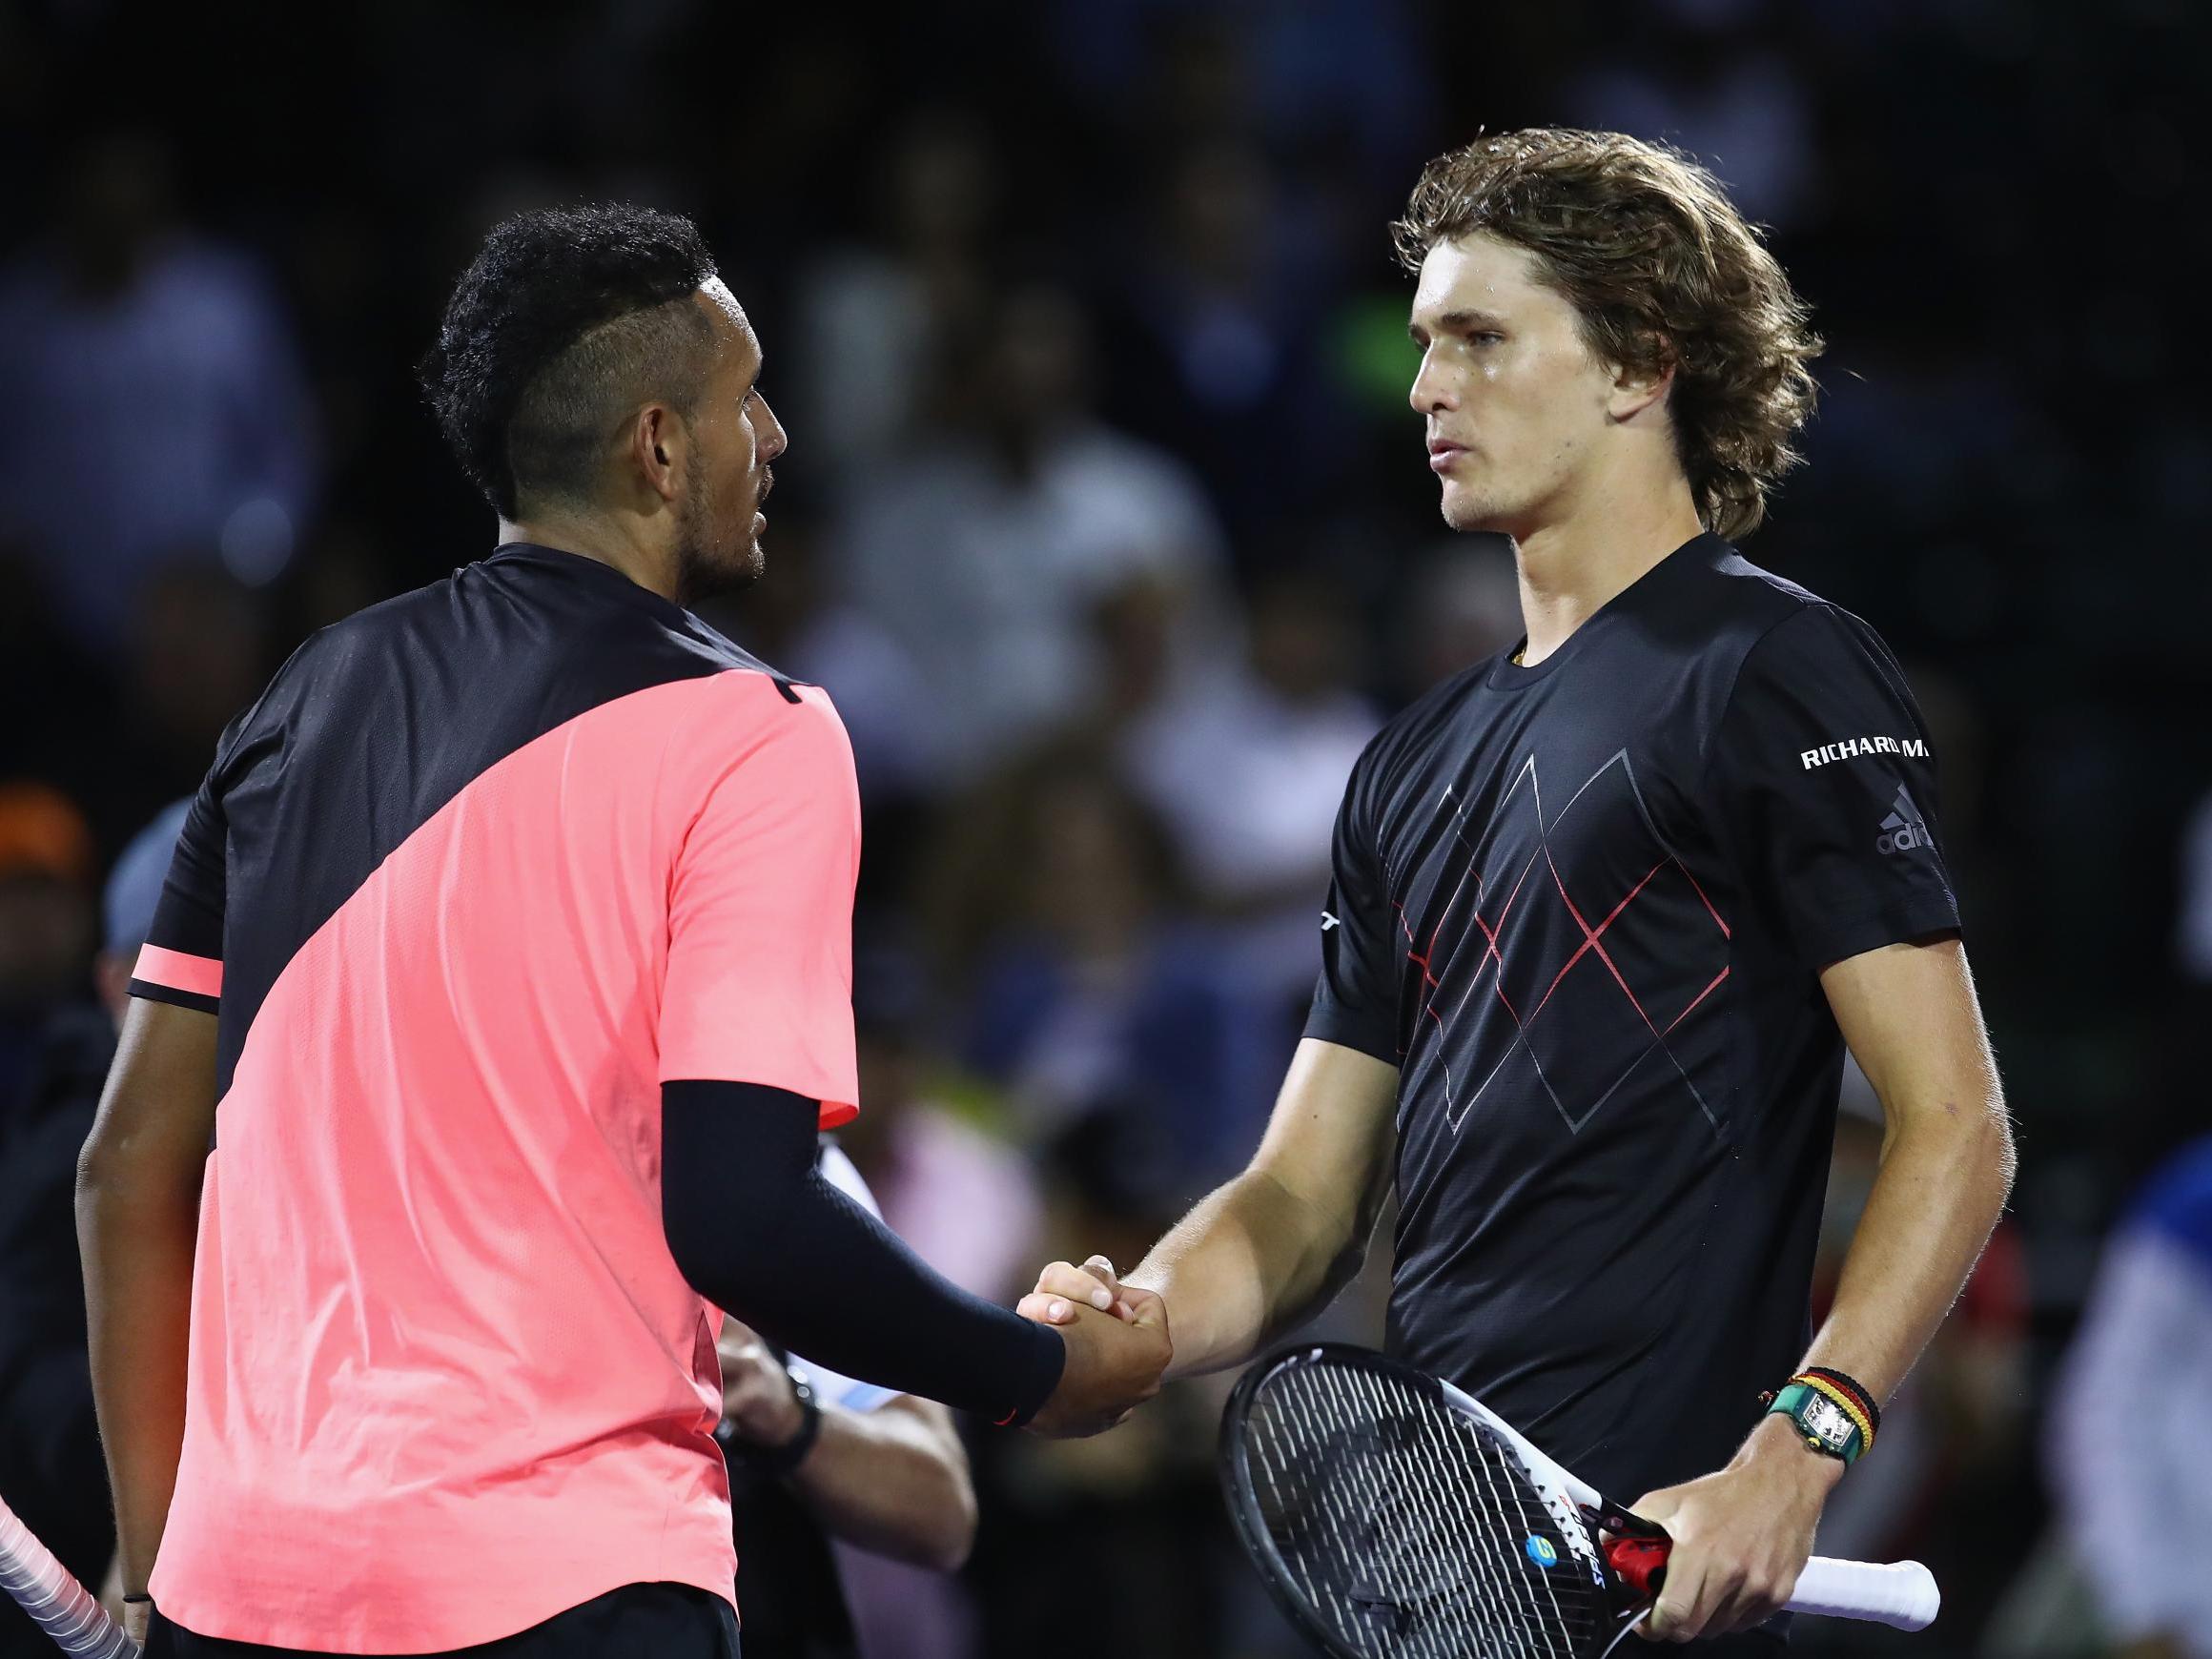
{"x": 1250, "y": 1262}
{"x": 1941, "y": 1186}
{"x": 895, "y": 1482}
{"x": 136, "y": 1236}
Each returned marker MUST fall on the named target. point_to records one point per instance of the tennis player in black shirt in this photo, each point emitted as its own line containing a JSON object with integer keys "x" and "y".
{"x": 1607, "y": 908}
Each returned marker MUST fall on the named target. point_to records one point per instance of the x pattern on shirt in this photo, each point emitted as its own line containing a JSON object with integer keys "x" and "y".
{"x": 1580, "y": 1023}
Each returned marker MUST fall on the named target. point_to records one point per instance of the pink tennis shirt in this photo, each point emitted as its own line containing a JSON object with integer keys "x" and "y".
{"x": 482, "y": 870}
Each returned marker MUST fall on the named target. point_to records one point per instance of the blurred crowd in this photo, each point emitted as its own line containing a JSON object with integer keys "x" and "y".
{"x": 1105, "y": 525}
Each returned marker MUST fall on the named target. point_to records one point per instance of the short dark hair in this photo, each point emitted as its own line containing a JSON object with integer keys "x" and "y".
{"x": 1662, "y": 270}
{"x": 567, "y": 319}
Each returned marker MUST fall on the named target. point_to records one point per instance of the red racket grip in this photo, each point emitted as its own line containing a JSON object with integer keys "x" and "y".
{"x": 1639, "y": 1563}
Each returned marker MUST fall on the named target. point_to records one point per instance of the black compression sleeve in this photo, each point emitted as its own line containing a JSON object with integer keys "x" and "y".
{"x": 757, "y": 1231}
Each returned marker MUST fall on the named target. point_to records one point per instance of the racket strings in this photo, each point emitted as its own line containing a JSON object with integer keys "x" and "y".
{"x": 1407, "y": 1528}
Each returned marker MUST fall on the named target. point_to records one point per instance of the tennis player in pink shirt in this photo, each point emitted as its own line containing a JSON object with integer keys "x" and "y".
{"x": 498, "y": 990}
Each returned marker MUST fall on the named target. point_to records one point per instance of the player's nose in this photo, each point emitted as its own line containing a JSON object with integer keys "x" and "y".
{"x": 774, "y": 440}
{"x": 1431, "y": 391}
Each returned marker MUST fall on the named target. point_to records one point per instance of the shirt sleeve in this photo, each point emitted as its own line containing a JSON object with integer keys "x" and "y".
{"x": 834, "y": 1388}
{"x": 759, "y": 982}
{"x": 182, "y": 958}
{"x": 1355, "y": 1003}
{"x": 1825, "y": 781}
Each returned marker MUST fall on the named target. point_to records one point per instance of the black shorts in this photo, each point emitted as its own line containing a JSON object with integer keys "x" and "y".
{"x": 639, "y": 1621}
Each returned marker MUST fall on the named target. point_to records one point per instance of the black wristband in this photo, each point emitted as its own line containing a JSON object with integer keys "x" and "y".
{"x": 130, "y": 1601}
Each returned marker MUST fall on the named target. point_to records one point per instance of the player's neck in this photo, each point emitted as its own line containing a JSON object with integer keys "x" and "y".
{"x": 597, "y": 539}
{"x": 1571, "y": 567}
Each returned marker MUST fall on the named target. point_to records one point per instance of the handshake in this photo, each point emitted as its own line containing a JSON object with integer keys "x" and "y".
{"x": 1117, "y": 1346}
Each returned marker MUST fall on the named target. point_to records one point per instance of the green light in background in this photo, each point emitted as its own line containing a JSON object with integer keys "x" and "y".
{"x": 1370, "y": 355}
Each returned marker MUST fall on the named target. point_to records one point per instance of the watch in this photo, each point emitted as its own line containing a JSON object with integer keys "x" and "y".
{"x": 1822, "y": 1423}
{"x": 781, "y": 1460}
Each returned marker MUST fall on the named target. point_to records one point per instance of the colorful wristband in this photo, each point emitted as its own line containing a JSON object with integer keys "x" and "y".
{"x": 1857, "y": 1390}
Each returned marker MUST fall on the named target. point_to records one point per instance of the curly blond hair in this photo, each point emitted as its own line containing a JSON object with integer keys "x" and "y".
{"x": 1662, "y": 270}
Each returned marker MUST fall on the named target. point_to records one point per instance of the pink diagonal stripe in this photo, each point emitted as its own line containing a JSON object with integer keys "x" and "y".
{"x": 1598, "y": 948}
{"x": 1720, "y": 920}
{"x": 1695, "y": 1000}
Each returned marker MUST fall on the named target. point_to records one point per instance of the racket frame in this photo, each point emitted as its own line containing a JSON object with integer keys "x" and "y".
{"x": 1901, "y": 1594}
{"x": 1575, "y": 1507}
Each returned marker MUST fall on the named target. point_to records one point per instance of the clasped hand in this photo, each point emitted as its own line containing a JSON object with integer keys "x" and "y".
{"x": 1117, "y": 1342}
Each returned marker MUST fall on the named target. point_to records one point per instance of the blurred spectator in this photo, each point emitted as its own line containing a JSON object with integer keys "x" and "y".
{"x": 1698, "y": 74}
{"x": 2131, "y": 1443}
{"x": 1095, "y": 989}
{"x": 58, "y": 697}
{"x": 1248, "y": 766}
{"x": 51, "y": 1468}
{"x": 1341, "y": 75}
{"x": 983, "y": 549}
{"x": 876, "y": 324}
{"x": 197, "y": 658}
{"x": 46, "y": 917}
{"x": 1224, "y": 299}
{"x": 155, "y": 399}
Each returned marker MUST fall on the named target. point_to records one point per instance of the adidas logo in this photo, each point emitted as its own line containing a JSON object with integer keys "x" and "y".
{"x": 1904, "y": 829}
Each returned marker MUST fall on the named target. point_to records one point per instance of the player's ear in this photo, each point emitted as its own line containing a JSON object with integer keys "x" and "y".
{"x": 1637, "y": 386}
{"x": 656, "y": 441}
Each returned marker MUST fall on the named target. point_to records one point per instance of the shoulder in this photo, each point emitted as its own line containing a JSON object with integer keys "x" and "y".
{"x": 1414, "y": 732}
{"x": 752, "y": 717}
{"x": 1434, "y": 709}
{"x": 1743, "y": 601}
{"x": 1775, "y": 628}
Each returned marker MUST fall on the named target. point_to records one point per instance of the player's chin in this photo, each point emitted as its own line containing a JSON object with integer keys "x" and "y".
{"x": 1465, "y": 510}
{"x": 726, "y": 571}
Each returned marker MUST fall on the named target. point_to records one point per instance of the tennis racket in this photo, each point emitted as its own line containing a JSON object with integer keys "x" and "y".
{"x": 64, "y": 1608}
{"x": 1391, "y": 1515}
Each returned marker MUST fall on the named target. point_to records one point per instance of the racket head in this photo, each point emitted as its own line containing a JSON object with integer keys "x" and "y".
{"x": 1386, "y": 1517}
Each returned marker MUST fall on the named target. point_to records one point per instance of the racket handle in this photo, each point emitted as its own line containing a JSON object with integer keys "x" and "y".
{"x": 1902, "y": 1593}
{"x": 62, "y": 1607}
{"x": 1639, "y": 1563}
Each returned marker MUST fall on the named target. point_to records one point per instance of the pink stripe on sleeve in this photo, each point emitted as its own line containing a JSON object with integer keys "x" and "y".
{"x": 201, "y": 976}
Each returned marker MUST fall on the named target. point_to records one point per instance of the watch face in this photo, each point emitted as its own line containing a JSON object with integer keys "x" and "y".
{"x": 1827, "y": 1421}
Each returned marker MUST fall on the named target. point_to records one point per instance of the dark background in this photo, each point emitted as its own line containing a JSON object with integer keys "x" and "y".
{"x": 973, "y": 237}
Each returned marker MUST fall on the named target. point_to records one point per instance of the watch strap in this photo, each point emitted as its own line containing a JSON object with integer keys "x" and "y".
{"x": 781, "y": 1460}
{"x": 1831, "y": 1425}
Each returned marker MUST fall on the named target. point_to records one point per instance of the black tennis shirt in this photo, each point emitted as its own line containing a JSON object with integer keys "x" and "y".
{"x": 1583, "y": 907}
